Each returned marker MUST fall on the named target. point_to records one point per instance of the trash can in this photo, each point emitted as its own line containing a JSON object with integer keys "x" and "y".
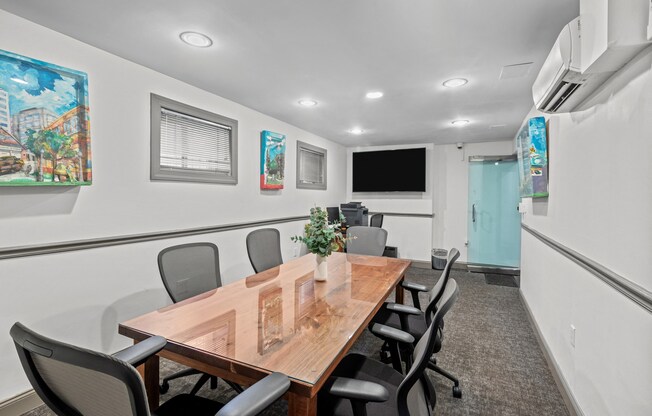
{"x": 439, "y": 258}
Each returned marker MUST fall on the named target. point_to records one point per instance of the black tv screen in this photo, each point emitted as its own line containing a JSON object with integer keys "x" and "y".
{"x": 390, "y": 170}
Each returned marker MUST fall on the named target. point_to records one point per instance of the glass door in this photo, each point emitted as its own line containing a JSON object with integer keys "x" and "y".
{"x": 494, "y": 223}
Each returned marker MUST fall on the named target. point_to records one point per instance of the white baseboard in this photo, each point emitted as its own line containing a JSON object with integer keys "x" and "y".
{"x": 19, "y": 404}
{"x": 566, "y": 393}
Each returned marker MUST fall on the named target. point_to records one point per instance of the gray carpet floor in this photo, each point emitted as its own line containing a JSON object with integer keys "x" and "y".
{"x": 489, "y": 344}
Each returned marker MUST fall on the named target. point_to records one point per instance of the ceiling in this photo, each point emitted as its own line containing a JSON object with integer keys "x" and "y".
{"x": 268, "y": 55}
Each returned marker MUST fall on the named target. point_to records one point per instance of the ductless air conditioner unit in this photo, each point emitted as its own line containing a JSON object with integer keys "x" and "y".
{"x": 560, "y": 86}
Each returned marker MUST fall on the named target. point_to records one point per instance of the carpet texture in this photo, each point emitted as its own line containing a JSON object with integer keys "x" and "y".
{"x": 489, "y": 345}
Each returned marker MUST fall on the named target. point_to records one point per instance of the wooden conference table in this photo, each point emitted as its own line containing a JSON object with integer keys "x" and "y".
{"x": 278, "y": 320}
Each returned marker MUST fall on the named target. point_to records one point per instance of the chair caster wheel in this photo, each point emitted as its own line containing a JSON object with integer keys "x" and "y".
{"x": 457, "y": 392}
{"x": 163, "y": 388}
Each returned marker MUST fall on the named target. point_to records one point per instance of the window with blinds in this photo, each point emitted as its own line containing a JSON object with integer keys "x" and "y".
{"x": 189, "y": 144}
{"x": 311, "y": 166}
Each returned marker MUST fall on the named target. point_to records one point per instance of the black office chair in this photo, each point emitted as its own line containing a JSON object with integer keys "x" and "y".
{"x": 415, "y": 322}
{"x": 369, "y": 241}
{"x": 362, "y": 386}
{"x": 376, "y": 220}
{"x": 264, "y": 249}
{"x": 188, "y": 270}
{"x": 74, "y": 381}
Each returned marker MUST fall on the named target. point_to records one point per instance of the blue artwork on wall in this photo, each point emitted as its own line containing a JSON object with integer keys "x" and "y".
{"x": 44, "y": 123}
{"x": 532, "y": 145}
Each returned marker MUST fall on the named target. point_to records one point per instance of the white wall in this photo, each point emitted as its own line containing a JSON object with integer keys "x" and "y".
{"x": 599, "y": 205}
{"x": 450, "y": 200}
{"x": 80, "y": 296}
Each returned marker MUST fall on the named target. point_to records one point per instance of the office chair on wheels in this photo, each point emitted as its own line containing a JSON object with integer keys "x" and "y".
{"x": 415, "y": 321}
{"x": 74, "y": 381}
{"x": 369, "y": 241}
{"x": 264, "y": 249}
{"x": 376, "y": 220}
{"x": 188, "y": 270}
{"x": 362, "y": 386}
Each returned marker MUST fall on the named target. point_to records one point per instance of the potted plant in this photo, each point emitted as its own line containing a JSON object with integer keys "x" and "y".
{"x": 321, "y": 238}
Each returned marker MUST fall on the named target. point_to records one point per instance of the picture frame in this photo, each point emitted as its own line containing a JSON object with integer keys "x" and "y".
{"x": 45, "y": 135}
{"x": 272, "y": 160}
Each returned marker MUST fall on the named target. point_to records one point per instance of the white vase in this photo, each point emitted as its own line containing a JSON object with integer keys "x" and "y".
{"x": 321, "y": 271}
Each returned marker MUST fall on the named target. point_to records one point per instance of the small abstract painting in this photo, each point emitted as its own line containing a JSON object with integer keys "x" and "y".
{"x": 538, "y": 157}
{"x": 532, "y": 145}
{"x": 272, "y": 160}
{"x": 44, "y": 124}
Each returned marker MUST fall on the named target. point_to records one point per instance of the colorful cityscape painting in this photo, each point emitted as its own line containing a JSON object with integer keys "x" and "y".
{"x": 44, "y": 124}
{"x": 272, "y": 160}
{"x": 532, "y": 144}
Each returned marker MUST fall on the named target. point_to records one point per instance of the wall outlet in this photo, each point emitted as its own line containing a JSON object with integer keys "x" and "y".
{"x": 572, "y": 336}
{"x": 295, "y": 253}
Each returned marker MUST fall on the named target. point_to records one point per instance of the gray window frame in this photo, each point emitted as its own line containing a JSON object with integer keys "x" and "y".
{"x": 162, "y": 174}
{"x": 309, "y": 147}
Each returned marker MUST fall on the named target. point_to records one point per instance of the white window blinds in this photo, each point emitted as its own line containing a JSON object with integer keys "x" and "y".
{"x": 190, "y": 143}
{"x": 311, "y": 166}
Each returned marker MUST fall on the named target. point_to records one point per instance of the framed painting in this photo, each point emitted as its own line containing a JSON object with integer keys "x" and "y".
{"x": 532, "y": 151}
{"x": 538, "y": 154}
{"x": 272, "y": 160}
{"x": 44, "y": 124}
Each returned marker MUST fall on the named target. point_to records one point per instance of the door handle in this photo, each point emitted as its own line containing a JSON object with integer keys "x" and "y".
{"x": 473, "y": 212}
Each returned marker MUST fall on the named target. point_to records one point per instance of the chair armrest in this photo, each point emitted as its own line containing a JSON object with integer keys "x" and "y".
{"x": 137, "y": 354}
{"x": 258, "y": 397}
{"x": 388, "y": 333}
{"x": 414, "y": 286}
{"x": 403, "y": 309}
{"x": 353, "y": 389}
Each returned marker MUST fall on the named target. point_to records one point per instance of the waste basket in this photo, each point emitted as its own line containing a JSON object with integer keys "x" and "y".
{"x": 439, "y": 258}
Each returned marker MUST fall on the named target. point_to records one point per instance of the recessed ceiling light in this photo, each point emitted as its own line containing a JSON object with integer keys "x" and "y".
{"x": 455, "y": 82}
{"x": 374, "y": 94}
{"x": 196, "y": 39}
{"x": 18, "y": 80}
{"x": 357, "y": 131}
{"x": 306, "y": 102}
{"x": 460, "y": 123}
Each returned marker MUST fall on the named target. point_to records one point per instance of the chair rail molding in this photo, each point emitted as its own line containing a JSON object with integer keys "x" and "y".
{"x": 65, "y": 246}
{"x": 633, "y": 291}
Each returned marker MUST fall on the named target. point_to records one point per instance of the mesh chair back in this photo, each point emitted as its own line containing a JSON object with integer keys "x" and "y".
{"x": 264, "y": 249}
{"x": 189, "y": 269}
{"x": 437, "y": 290}
{"x": 376, "y": 220}
{"x": 369, "y": 241}
{"x": 74, "y": 381}
{"x": 415, "y": 396}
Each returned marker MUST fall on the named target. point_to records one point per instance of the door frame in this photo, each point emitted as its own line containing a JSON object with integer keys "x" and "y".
{"x": 490, "y": 268}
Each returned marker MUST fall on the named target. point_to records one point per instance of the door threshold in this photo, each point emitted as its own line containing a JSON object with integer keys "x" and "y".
{"x": 492, "y": 268}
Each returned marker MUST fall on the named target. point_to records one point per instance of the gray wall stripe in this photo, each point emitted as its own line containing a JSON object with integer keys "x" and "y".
{"x": 403, "y": 214}
{"x": 65, "y": 246}
{"x": 625, "y": 286}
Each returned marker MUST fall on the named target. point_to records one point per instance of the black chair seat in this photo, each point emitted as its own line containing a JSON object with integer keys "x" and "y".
{"x": 359, "y": 367}
{"x": 186, "y": 404}
{"x": 416, "y": 323}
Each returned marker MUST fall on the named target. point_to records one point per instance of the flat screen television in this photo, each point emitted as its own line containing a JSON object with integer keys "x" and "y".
{"x": 390, "y": 170}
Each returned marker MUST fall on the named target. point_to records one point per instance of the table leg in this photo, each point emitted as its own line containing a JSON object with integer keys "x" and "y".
{"x": 399, "y": 291}
{"x": 149, "y": 374}
{"x": 301, "y": 405}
